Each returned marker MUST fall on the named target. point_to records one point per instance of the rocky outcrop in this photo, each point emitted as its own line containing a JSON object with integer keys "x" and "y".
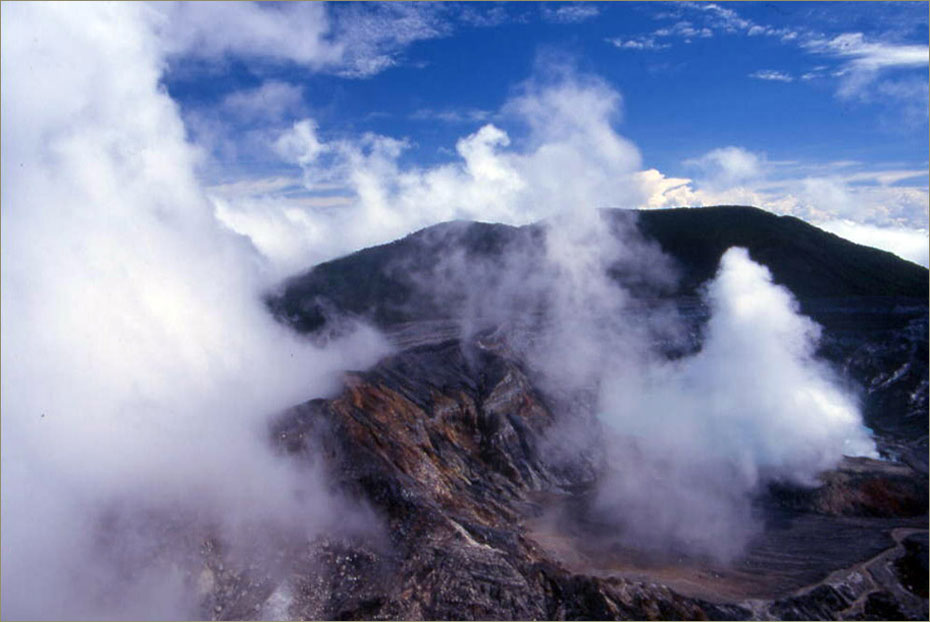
{"x": 446, "y": 443}
{"x": 384, "y": 284}
{"x": 451, "y": 446}
{"x": 460, "y": 452}
{"x": 872, "y": 304}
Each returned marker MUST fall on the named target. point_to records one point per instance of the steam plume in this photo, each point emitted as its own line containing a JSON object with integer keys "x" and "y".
{"x": 753, "y": 406}
{"x": 139, "y": 367}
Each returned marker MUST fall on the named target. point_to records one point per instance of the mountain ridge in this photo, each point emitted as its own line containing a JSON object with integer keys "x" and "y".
{"x": 808, "y": 261}
{"x": 485, "y": 478}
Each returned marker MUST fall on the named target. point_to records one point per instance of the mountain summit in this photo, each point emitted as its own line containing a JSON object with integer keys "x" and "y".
{"x": 489, "y": 471}
{"x": 810, "y": 262}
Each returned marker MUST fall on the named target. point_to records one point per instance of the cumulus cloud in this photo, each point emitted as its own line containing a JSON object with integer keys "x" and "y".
{"x": 139, "y": 365}
{"x": 876, "y": 199}
{"x": 570, "y": 161}
{"x": 571, "y": 155}
{"x": 825, "y": 198}
{"x": 349, "y": 40}
{"x": 728, "y": 166}
{"x": 570, "y": 158}
{"x": 299, "y": 32}
{"x": 662, "y": 191}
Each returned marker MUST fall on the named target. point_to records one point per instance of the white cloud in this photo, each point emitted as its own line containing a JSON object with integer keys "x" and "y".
{"x": 300, "y": 144}
{"x": 712, "y": 18}
{"x": 258, "y": 186}
{"x": 723, "y": 18}
{"x": 373, "y": 36}
{"x": 639, "y": 43}
{"x": 131, "y": 321}
{"x": 662, "y": 191}
{"x": 360, "y": 180}
{"x": 238, "y": 132}
{"x": 910, "y": 244}
{"x": 572, "y": 158}
{"x": 572, "y": 13}
{"x": 684, "y": 29}
{"x": 771, "y": 74}
{"x": 728, "y": 166}
{"x": 349, "y": 40}
{"x": 449, "y": 115}
{"x": 912, "y": 95}
{"x": 297, "y": 32}
{"x": 270, "y": 102}
{"x": 874, "y": 201}
{"x": 478, "y": 15}
{"x": 282, "y": 227}
{"x": 821, "y": 195}
{"x": 865, "y": 206}
{"x": 865, "y": 64}
{"x": 867, "y": 61}
{"x": 823, "y": 198}
{"x": 139, "y": 365}
{"x": 872, "y": 55}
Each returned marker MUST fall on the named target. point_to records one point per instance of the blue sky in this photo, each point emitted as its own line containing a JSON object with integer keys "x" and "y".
{"x": 815, "y": 109}
{"x": 165, "y": 164}
{"x": 692, "y": 76}
{"x": 322, "y": 128}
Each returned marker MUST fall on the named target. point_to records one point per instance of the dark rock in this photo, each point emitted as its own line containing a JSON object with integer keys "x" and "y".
{"x": 881, "y": 606}
{"x": 450, "y": 443}
{"x": 821, "y": 603}
{"x": 448, "y": 449}
{"x": 911, "y": 568}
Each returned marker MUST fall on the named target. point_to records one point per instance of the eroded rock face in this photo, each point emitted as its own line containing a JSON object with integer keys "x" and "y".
{"x": 483, "y": 514}
{"x": 451, "y": 446}
{"x": 447, "y": 444}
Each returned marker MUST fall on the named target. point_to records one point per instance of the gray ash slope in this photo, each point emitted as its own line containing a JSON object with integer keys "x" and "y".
{"x": 449, "y": 442}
